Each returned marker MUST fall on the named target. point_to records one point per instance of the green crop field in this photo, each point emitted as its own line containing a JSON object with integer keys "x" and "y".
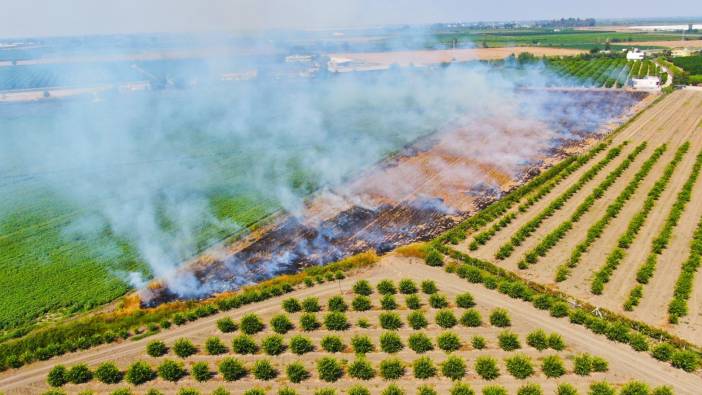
{"x": 549, "y": 38}
{"x": 603, "y": 72}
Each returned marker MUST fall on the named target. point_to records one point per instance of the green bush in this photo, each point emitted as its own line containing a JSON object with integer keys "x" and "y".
{"x": 582, "y": 364}
{"x": 215, "y": 346}
{"x": 438, "y": 301}
{"x": 79, "y": 374}
{"x": 478, "y": 342}
{"x": 188, "y": 391}
{"x": 566, "y": 389}
{"x": 336, "y": 321}
{"x": 156, "y": 348}
{"x": 519, "y": 366}
{"x": 139, "y": 372}
{"x": 292, "y": 305}
{"x": 663, "y": 351}
{"x": 226, "y": 325}
{"x": 311, "y": 305}
{"x": 232, "y": 369}
{"x": 500, "y": 318}
{"x": 537, "y": 339}
{"x": 471, "y": 318}
{"x": 308, "y": 322}
{"x": 465, "y": 300}
{"x": 461, "y": 389}
{"x": 361, "y": 369}
{"x": 508, "y": 341}
{"x": 329, "y": 369}
{"x": 413, "y": 302}
{"x": 392, "y": 389}
{"x": 361, "y": 303}
{"x": 287, "y": 391}
{"x": 555, "y": 341}
{"x": 386, "y": 287}
{"x": 388, "y": 302}
{"x": 486, "y": 367}
{"x": 301, "y": 344}
{"x": 390, "y": 342}
{"x": 362, "y": 344}
{"x": 434, "y": 257}
{"x": 170, "y": 370}
{"x": 417, "y": 320}
{"x": 273, "y": 345}
{"x": 445, "y": 318}
{"x": 57, "y": 376}
{"x": 685, "y": 360}
{"x": 391, "y": 369}
{"x": 638, "y": 342}
{"x": 634, "y": 388}
{"x": 390, "y": 321}
{"x": 362, "y": 287}
{"x": 407, "y": 286}
{"x": 363, "y": 323}
{"x": 337, "y": 303}
{"x": 200, "y": 371}
{"x": 332, "y": 344}
{"x": 264, "y": 370}
{"x": 530, "y": 389}
{"x": 120, "y": 391}
{"x": 250, "y": 324}
{"x": 255, "y": 391}
{"x": 552, "y": 366}
{"x": 424, "y": 368}
{"x": 601, "y": 388}
{"x": 448, "y": 341}
{"x": 558, "y": 309}
{"x": 184, "y": 348}
{"x": 599, "y": 364}
{"x": 108, "y": 373}
{"x": 281, "y": 324}
{"x": 244, "y": 344}
{"x": 665, "y": 390}
{"x": 494, "y": 390}
{"x": 419, "y": 343}
{"x": 426, "y": 390}
{"x": 358, "y": 390}
{"x": 542, "y": 302}
{"x": 429, "y": 287}
{"x": 297, "y": 372}
{"x": 453, "y": 368}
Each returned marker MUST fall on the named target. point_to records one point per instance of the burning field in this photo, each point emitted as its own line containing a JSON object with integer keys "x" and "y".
{"x": 417, "y": 193}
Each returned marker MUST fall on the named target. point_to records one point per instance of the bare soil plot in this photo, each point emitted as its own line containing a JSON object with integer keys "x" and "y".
{"x": 624, "y": 363}
{"x": 670, "y": 44}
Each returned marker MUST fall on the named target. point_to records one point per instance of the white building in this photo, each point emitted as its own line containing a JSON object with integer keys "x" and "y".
{"x": 650, "y": 82}
{"x": 634, "y": 54}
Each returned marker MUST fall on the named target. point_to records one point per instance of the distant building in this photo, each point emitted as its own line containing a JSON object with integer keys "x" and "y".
{"x": 298, "y": 59}
{"x": 634, "y": 54}
{"x": 677, "y": 52}
{"x": 650, "y": 82}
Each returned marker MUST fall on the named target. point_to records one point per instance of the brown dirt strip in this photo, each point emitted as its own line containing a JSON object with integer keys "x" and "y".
{"x": 625, "y": 364}
{"x": 670, "y": 44}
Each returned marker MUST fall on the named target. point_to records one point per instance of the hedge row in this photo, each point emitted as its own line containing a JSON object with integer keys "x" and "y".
{"x": 683, "y": 286}
{"x": 603, "y": 275}
{"x": 97, "y": 329}
{"x": 616, "y": 327}
{"x": 483, "y": 237}
{"x": 596, "y": 230}
{"x": 527, "y": 229}
{"x": 329, "y": 369}
{"x": 553, "y": 237}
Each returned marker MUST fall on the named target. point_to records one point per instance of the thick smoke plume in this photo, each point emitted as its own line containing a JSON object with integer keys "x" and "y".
{"x": 148, "y": 169}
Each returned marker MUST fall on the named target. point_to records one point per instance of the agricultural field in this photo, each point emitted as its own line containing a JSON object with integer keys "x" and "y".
{"x": 691, "y": 66}
{"x": 548, "y": 38}
{"x": 385, "y": 329}
{"x": 620, "y": 233}
{"x": 602, "y": 72}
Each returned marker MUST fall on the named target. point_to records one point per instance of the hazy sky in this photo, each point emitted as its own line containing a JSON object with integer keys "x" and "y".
{"x": 68, "y": 17}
